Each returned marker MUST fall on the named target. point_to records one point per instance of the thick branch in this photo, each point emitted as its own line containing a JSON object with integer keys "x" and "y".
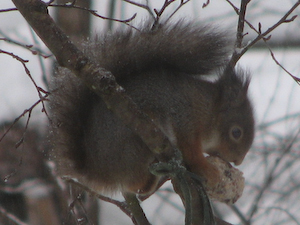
{"x": 101, "y": 81}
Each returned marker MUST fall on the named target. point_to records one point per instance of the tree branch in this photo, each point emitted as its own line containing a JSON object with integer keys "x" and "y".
{"x": 296, "y": 79}
{"x": 241, "y": 23}
{"x": 261, "y": 35}
{"x": 12, "y": 218}
{"x": 93, "y": 12}
{"x": 138, "y": 216}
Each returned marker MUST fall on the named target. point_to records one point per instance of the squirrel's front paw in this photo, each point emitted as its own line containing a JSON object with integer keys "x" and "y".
{"x": 212, "y": 176}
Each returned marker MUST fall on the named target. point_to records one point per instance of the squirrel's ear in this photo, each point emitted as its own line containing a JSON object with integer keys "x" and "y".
{"x": 233, "y": 87}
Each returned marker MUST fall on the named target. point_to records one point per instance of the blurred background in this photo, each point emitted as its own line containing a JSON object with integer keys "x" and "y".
{"x": 29, "y": 191}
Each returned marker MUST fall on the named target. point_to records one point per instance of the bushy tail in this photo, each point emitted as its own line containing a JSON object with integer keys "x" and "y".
{"x": 184, "y": 47}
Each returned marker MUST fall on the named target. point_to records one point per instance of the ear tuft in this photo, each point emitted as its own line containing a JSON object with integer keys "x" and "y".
{"x": 233, "y": 85}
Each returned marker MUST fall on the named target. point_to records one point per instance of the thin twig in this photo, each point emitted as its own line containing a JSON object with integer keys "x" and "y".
{"x": 28, "y": 47}
{"x": 265, "y": 125}
{"x": 163, "y": 8}
{"x": 29, "y": 110}
{"x": 268, "y": 31}
{"x": 206, "y": 4}
{"x": 40, "y": 90}
{"x": 296, "y": 79}
{"x": 240, "y": 215}
{"x": 261, "y": 35}
{"x": 93, "y": 12}
{"x": 12, "y": 218}
{"x": 121, "y": 205}
{"x": 270, "y": 178}
{"x": 143, "y": 6}
{"x": 182, "y": 3}
{"x": 8, "y": 10}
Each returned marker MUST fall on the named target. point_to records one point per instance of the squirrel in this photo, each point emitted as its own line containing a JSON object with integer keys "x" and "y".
{"x": 164, "y": 69}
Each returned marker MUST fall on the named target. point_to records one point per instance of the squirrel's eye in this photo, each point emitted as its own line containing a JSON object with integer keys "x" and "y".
{"x": 236, "y": 133}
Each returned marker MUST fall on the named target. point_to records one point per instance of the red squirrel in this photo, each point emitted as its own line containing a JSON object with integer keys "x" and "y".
{"x": 164, "y": 70}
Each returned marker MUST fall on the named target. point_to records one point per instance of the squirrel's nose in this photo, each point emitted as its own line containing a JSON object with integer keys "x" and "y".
{"x": 238, "y": 162}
